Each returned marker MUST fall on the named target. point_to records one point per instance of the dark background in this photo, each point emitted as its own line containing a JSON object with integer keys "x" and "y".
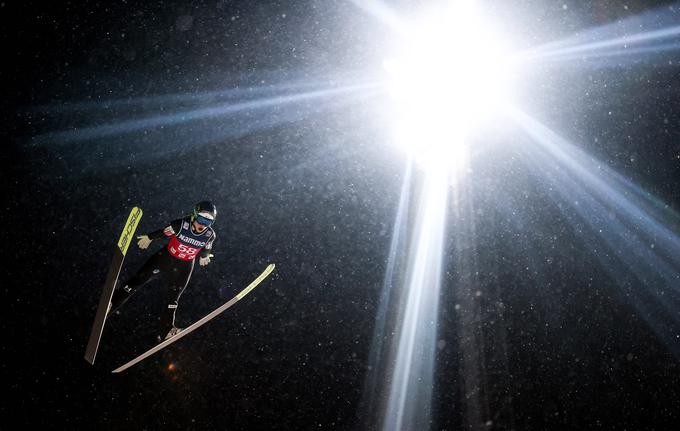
{"x": 317, "y": 196}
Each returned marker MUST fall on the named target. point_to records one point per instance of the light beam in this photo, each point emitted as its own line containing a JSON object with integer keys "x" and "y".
{"x": 626, "y": 231}
{"x": 624, "y": 38}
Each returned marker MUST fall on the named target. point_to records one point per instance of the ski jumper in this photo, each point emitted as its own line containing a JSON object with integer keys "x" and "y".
{"x": 175, "y": 263}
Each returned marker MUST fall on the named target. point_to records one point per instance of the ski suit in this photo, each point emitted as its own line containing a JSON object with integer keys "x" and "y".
{"x": 175, "y": 263}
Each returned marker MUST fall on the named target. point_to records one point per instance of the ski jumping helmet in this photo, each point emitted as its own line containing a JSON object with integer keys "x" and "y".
{"x": 204, "y": 213}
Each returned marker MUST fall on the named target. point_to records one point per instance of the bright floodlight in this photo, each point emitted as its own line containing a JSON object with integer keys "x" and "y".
{"x": 450, "y": 73}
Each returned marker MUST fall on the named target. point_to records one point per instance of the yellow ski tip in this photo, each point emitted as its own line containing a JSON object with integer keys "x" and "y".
{"x": 129, "y": 230}
{"x": 257, "y": 281}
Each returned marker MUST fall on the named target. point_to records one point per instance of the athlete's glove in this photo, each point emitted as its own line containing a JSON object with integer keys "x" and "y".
{"x": 144, "y": 241}
{"x": 203, "y": 261}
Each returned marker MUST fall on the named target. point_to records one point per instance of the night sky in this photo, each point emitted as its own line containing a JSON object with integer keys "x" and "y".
{"x": 557, "y": 308}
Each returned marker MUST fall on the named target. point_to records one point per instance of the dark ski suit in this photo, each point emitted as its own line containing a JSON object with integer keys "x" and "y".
{"x": 175, "y": 263}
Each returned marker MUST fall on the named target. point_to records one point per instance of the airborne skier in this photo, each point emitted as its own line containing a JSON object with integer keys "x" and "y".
{"x": 190, "y": 236}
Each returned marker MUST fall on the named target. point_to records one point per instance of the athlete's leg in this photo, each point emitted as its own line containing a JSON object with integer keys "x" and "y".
{"x": 146, "y": 273}
{"x": 178, "y": 278}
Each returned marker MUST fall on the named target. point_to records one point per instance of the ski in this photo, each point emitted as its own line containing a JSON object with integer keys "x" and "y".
{"x": 110, "y": 283}
{"x": 199, "y": 323}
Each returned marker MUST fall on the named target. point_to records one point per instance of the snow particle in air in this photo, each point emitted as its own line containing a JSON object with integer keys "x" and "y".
{"x": 184, "y": 22}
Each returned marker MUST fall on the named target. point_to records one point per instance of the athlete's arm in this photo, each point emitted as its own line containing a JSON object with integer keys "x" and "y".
{"x": 208, "y": 246}
{"x": 168, "y": 230}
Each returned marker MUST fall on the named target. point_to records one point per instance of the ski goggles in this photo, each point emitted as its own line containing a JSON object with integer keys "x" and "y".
{"x": 202, "y": 219}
